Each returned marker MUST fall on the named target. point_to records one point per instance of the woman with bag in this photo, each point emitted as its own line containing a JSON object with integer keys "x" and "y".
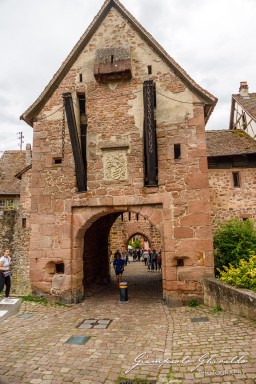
{"x": 5, "y": 273}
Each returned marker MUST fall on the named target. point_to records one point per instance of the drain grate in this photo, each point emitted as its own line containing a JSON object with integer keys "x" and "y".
{"x": 94, "y": 324}
{"x": 78, "y": 340}
{"x": 199, "y": 319}
{"x": 25, "y": 315}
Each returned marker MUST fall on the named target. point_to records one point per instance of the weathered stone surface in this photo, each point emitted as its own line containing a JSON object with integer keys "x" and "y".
{"x": 239, "y": 301}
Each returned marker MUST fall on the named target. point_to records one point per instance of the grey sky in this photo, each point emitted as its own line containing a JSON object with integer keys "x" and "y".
{"x": 213, "y": 40}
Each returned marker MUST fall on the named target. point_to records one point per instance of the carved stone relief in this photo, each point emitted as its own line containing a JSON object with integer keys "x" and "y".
{"x": 115, "y": 165}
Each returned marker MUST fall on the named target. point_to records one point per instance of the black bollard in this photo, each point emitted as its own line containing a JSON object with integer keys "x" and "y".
{"x": 123, "y": 292}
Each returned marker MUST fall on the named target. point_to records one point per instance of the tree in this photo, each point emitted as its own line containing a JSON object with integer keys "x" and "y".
{"x": 234, "y": 240}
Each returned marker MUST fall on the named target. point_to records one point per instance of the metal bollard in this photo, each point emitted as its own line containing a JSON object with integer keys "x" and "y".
{"x": 123, "y": 292}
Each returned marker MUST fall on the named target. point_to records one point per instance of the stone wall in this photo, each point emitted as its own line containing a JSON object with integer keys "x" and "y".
{"x": 241, "y": 302}
{"x": 228, "y": 201}
{"x": 20, "y": 278}
{"x": 8, "y": 221}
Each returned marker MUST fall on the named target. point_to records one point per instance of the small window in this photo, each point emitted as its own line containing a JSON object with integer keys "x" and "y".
{"x": 180, "y": 262}
{"x": 177, "y": 151}
{"x": 236, "y": 179}
{"x": 10, "y": 203}
{"x": 24, "y": 223}
{"x": 57, "y": 160}
{"x": 80, "y": 77}
{"x": 2, "y": 203}
{"x": 149, "y": 69}
{"x": 60, "y": 268}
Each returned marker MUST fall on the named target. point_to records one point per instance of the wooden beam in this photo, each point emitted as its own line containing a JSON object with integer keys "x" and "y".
{"x": 150, "y": 140}
{"x": 76, "y": 148}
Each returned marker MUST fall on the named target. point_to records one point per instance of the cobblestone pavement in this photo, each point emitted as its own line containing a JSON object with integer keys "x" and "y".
{"x": 172, "y": 347}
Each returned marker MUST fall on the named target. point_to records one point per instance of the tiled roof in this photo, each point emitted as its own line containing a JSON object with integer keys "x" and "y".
{"x": 249, "y": 105}
{"x": 34, "y": 109}
{"x": 229, "y": 143}
{"x": 11, "y": 163}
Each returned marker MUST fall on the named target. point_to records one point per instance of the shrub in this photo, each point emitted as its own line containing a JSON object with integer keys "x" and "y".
{"x": 193, "y": 303}
{"x": 243, "y": 276}
{"x": 234, "y": 240}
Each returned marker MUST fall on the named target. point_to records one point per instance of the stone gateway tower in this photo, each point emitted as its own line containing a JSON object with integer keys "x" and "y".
{"x": 119, "y": 128}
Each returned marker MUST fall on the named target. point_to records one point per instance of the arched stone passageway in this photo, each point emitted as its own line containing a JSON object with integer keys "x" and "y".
{"x": 93, "y": 245}
{"x": 130, "y": 223}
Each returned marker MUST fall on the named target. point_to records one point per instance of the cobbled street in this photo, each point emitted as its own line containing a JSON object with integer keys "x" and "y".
{"x": 139, "y": 339}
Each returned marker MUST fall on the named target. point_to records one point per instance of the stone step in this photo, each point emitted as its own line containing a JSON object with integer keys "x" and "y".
{"x": 9, "y": 307}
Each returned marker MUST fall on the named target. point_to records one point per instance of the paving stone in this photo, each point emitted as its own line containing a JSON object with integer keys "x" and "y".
{"x": 85, "y": 326}
{"x": 104, "y": 321}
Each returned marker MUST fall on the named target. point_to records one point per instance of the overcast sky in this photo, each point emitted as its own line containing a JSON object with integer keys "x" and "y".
{"x": 213, "y": 40}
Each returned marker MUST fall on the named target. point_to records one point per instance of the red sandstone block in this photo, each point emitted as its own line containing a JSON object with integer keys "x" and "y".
{"x": 201, "y": 206}
{"x": 40, "y": 286}
{"x": 196, "y": 219}
{"x": 43, "y": 219}
{"x": 183, "y": 232}
{"x": 44, "y": 204}
{"x": 190, "y": 286}
{"x": 197, "y": 181}
{"x": 156, "y": 217}
{"x": 58, "y": 206}
{"x": 50, "y": 230}
{"x": 203, "y": 164}
{"x": 203, "y": 233}
{"x": 40, "y": 242}
{"x": 171, "y": 285}
{"x": 190, "y": 274}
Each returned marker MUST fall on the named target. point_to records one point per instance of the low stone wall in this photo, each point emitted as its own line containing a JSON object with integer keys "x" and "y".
{"x": 239, "y": 301}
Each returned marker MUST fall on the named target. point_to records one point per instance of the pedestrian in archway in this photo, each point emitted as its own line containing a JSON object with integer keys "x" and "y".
{"x": 5, "y": 273}
{"x": 145, "y": 256}
{"x": 117, "y": 252}
{"x": 154, "y": 257}
{"x": 119, "y": 268}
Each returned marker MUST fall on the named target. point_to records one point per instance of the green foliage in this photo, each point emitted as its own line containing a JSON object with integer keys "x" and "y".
{"x": 193, "y": 303}
{"x": 234, "y": 240}
{"x": 136, "y": 244}
{"x": 242, "y": 276}
{"x": 34, "y": 299}
{"x": 42, "y": 300}
{"x": 216, "y": 309}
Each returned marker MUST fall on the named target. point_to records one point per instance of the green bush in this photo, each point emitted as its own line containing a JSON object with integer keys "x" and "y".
{"x": 243, "y": 276}
{"x": 193, "y": 303}
{"x": 233, "y": 240}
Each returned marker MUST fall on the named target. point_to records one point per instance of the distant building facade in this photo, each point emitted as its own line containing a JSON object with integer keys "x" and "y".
{"x": 243, "y": 110}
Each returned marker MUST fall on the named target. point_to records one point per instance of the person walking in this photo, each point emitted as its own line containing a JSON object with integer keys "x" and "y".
{"x": 119, "y": 268}
{"x": 154, "y": 257}
{"x": 159, "y": 261}
{"x": 5, "y": 272}
{"x": 145, "y": 256}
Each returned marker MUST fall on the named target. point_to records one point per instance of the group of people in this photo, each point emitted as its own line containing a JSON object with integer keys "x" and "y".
{"x": 5, "y": 272}
{"x": 152, "y": 259}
